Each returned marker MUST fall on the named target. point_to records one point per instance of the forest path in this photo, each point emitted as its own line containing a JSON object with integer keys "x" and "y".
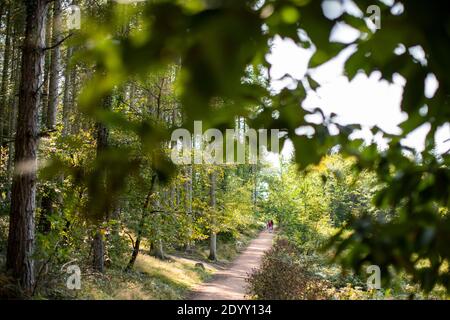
{"x": 229, "y": 284}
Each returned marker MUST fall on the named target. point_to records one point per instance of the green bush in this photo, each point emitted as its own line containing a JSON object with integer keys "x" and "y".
{"x": 283, "y": 277}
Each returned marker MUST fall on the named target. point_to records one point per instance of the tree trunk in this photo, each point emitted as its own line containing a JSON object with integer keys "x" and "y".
{"x": 44, "y": 223}
{"x": 4, "y": 84}
{"x": 46, "y": 70}
{"x": 213, "y": 235}
{"x": 55, "y": 66}
{"x": 158, "y": 249}
{"x": 77, "y": 124}
{"x": 140, "y": 230}
{"x": 12, "y": 112}
{"x": 135, "y": 253}
{"x": 255, "y": 185}
{"x": 188, "y": 203}
{"x": 102, "y": 145}
{"x": 101, "y": 207}
{"x": 213, "y": 246}
{"x": 67, "y": 108}
{"x": 23, "y": 197}
{"x": 48, "y": 199}
{"x": 98, "y": 252}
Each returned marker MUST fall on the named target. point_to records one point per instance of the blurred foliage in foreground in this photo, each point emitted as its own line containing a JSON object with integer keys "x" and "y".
{"x": 144, "y": 69}
{"x": 215, "y": 42}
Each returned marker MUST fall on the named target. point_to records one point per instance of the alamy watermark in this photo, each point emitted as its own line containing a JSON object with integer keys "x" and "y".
{"x": 73, "y": 17}
{"x": 72, "y": 13}
{"x": 374, "y": 280}
{"x": 128, "y": 1}
{"x": 375, "y": 15}
{"x": 73, "y": 281}
{"x": 211, "y": 147}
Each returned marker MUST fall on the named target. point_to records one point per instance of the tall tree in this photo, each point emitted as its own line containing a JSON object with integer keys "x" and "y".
{"x": 21, "y": 229}
{"x": 48, "y": 198}
{"x": 67, "y": 90}
{"x": 102, "y": 211}
{"x": 55, "y": 66}
{"x": 13, "y": 105}
{"x": 212, "y": 203}
{"x": 140, "y": 231}
{"x": 4, "y": 79}
{"x": 188, "y": 202}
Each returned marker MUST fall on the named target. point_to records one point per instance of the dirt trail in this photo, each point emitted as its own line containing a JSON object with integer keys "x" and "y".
{"x": 229, "y": 284}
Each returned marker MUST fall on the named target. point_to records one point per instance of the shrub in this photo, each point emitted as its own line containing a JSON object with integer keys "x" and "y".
{"x": 283, "y": 277}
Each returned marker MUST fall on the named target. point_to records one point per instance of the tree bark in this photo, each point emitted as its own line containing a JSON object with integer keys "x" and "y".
{"x": 48, "y": 199}
{"x": 101, "y": 208}
{"x": 4, "y": 84}
{"x": 55, "y": 66}
{"x": 46, "y": 70}
{"x": 188, "y": 203}
{"x": 140, "y": 230}
{"x": 12, "y": 111}
{"x": 23, "y": 197}
{"x": 98, "y": 241}
{"x": 98, "y": 252}
{"x": 67, "y": 108}
{"x": 213, "y": 235}
{"x": 157, "y": 248}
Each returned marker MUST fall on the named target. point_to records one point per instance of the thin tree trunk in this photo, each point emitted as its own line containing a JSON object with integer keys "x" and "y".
{"x": 98, "y": 252}
{"x": 67, "y": 108}
{"x": 46, "y": 70}
{"x": 213, "y": 235}
{"x": 48, "y": 198}
{"x": 5, "y": 79}
{"x": 105, "y": 206}
{"x": 255, "y": 185}
{"x": 140, "y": 230}
{"x": 55, "y": 66}
{"x": 102, "y": 145}
{"x": 12, "y": 113}
{"x": 188, "y": 203}
{"x": 157, "y": 248}
{"x": 20, "y": 251}
{"x": 75, "y": 127}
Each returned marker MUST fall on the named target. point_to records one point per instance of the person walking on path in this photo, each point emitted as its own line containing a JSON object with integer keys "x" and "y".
{"x": 270, "y": 225}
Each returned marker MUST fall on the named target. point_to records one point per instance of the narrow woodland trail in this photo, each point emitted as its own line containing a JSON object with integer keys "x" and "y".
{"x": 229, "y": 284}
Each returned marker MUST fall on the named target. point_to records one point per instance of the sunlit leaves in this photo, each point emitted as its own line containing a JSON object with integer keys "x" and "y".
{"x": 214, "y": 42}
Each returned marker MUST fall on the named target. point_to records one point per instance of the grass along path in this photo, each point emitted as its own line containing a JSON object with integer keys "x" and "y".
{"x": 151, "y": 279}
{"x": 154, "y": 279}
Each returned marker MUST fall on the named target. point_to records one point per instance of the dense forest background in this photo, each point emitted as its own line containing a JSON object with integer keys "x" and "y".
{"x": 86, "y": 177}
